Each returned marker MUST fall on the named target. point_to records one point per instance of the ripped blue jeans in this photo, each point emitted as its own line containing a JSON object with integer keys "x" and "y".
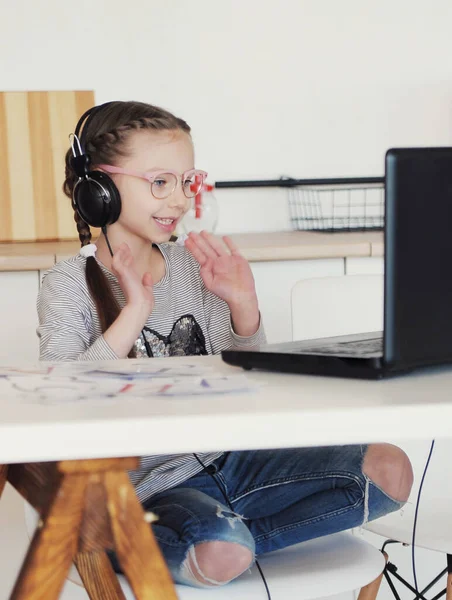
{"x": 279, "y": 497}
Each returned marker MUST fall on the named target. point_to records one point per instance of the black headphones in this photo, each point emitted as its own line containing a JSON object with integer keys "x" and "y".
{"x": 95, "y": 197}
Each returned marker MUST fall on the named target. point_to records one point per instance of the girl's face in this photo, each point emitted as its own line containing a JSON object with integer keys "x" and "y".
{"x": 142, "y": 215}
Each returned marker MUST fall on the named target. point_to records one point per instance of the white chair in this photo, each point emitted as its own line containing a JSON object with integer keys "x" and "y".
{"x": 325, "y": 567}
{"x": 319, "y": 568}
{"x": 330, "y": 306}
{"x": 434, "y": 522}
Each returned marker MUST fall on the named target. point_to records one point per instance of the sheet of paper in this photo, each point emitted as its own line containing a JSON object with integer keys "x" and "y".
{"x": 137, "y": 370}
{"x": 145, "y": 369}
{"x": 25, "y": 372}
{"x": 67, "y": 384}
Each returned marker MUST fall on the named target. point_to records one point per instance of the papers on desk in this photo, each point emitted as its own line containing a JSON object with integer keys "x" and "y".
{"x": 138, "y": 369}
{"x": 81, "y": 382}
{"x": 12, "y": 371}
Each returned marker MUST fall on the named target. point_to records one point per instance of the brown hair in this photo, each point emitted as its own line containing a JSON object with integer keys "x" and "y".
{"x": 105, "y": 140}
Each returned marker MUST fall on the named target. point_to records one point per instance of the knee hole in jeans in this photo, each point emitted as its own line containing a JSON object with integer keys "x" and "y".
{"x": 217, "y": 562}
{"x": 389, "y": 468}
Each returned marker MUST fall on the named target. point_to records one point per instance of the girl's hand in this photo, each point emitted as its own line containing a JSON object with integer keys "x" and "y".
{"x": 227, "y": 274}
{"x": 138, "y": 292}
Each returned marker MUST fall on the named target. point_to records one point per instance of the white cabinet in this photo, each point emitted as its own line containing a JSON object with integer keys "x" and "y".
{"x": 274, "y": 283}
{"x": 18, "y": 317}
{"x": 364, "y": 266}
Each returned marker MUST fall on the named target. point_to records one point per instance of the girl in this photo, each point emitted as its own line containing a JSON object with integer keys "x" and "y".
{"x": 157, "y": 298}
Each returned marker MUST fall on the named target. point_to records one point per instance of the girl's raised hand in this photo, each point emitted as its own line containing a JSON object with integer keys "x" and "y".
{"x": 227, "y": 274}
{"x": 138, "y": 292}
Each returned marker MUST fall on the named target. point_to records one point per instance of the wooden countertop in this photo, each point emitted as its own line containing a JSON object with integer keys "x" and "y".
{"x": 256, "y": 247}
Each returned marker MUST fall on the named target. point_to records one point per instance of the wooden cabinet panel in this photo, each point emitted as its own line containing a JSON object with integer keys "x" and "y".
{"x": 34, "y": 129}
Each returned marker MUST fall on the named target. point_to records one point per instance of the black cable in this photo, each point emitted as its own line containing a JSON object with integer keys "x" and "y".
{"x": 225, "y": 496}
{"x": 261, "y": 573}
{"x": 413, "y": 539}
{"x": 104, "y": 231}
{"x": 146, "y": 343}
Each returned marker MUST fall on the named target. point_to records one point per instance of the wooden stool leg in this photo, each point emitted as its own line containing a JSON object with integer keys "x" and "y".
{"x": 54, "y": 544}
{"x": 449, "y": 587}
{"x": 98, "y": 576}
{"x": 370, "y": 591}
{"x": 449, "y": 577}
{"x": 3, "y": 476}
{"x": 136, "y": 548}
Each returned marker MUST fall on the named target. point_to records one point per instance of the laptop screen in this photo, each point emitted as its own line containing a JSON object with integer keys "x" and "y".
{"x": 418, "y": 256}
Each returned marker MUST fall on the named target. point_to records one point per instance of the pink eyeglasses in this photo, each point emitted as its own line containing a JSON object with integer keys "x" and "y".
{"x": 164, "y": 182}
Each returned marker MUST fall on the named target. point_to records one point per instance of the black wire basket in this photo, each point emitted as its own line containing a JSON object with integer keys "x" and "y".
{"x": 330, "y": 205}
{"x": 340, "y": 207}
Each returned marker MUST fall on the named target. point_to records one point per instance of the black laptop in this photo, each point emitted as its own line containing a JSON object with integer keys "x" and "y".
{"x": 417, "y": 284}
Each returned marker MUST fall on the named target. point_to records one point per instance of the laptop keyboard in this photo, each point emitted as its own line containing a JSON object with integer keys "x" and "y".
{"x": 369, "y": 347}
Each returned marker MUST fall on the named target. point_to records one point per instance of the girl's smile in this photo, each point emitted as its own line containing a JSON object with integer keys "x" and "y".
{"x": 166, "y": 224}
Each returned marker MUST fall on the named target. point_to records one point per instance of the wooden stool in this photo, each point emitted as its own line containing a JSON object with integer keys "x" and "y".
{"x": 86, "y": 508}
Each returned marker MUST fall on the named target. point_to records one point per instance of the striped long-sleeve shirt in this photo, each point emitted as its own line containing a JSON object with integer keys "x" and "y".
{"x": 186, "y": 319}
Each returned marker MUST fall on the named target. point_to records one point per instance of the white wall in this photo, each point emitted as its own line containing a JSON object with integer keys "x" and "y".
{"x": 308, "y": 88}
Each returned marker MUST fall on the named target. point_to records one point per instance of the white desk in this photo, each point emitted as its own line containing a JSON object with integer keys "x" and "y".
{"x": 286, "y": 411}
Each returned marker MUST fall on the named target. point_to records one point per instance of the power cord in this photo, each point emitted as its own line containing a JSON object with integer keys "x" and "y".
{"x": 226, "y": 499}
{"x": 413, "y": 539}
